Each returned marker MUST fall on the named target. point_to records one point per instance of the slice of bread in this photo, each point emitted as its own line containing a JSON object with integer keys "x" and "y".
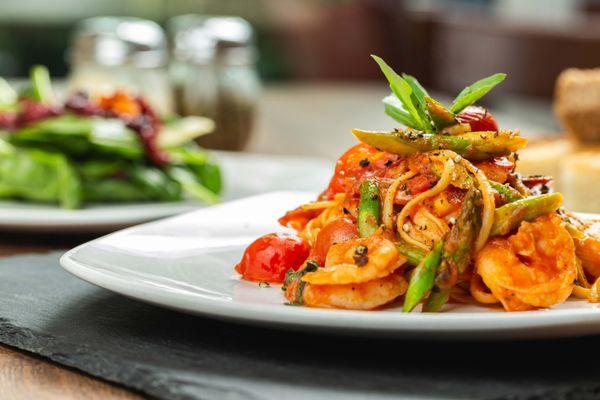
{"x": 577, "y": 103}
{"x": 542, "y": 157}
{"x": 580, "y": 181}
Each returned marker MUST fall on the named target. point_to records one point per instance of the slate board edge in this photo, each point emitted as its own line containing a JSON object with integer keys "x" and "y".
{"x": 154, "y": 383}
{"x": 101, "y": 366}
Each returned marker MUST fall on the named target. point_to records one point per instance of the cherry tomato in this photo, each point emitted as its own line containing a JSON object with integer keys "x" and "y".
{"x": 413, "y": 187}
{"x": 269, "y": 257}
{"x": 420, "y": 183}
{"x": 478, "y": 118}
{"x": 357, "y": 162}
{"x": 337, "y": 231}
{"x": 496, "y": 169}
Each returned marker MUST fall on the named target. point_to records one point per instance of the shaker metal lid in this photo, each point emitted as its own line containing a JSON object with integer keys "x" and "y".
{"x": 203, "y": 38}
{"x": 116, "y": 41}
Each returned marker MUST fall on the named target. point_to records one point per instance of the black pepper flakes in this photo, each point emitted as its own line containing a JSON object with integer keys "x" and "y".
{"x": 311, "y": 266}
{"x": 360, "y": 255}
{"x": 388, "y": 163}
{"x": 364, "y": 163}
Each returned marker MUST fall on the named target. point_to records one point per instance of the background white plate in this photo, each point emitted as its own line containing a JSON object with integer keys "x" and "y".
{"x": 244, "y": 174}
{"x": 186, "y": 263}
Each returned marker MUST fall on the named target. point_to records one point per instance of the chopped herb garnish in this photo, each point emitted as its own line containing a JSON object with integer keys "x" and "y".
{"x": 410, "y": 104}
{"x": 295, "y": 276}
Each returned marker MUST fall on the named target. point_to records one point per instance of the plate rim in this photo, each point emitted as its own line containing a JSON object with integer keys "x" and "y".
{"x": 492, "y": 324}
{"x": 43, "y": 218}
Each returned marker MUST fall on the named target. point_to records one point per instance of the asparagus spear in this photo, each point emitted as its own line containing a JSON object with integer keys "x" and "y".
{"x": 509, "y": 216}
{"x": 422, "y": 278}
{"x": 368, "y": 208}
{"x": 413, "y": 254}
{"x": 440, "y": 115}
{"x": 436, "y": 299}
{"x": 507, "y": 193}
{"x": 459, "y": 245}
{"x": 471, "y": 145}
{"x": 457, "y": 250}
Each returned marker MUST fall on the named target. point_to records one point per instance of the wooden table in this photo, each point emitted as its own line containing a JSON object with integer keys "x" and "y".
{"x": 318, "y": 126}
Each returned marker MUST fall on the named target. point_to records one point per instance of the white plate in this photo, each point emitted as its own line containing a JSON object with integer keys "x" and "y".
{"x": 244, "y": 175}
{"x": 186, "y": 263}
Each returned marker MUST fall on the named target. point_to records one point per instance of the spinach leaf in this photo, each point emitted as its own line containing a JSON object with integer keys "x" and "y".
{"x": 190, "y": 184}
{"x": 112, "y": 191}
{"x": 112, "y": 137}
{"x": 38, "y": 175}
{"x": 106, "y": 181}
{"x": 155, "y": 183}
{"x": 99, "y": 169}
{"x": 81, "y": 136}
{"x": 200, "y": 163}
{"x": 210, "y": 177}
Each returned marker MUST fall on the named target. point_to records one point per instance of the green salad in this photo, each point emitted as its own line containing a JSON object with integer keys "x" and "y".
{"x": 88, "y": 149}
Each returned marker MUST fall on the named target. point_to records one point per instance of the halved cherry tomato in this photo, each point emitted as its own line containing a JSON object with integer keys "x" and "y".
{"x": 337, "y": 231}
{"x": 496, "y": 169}
{"x": 358, "y": 162}
{"x": 478, "y": 118}
{"x": 269, "y": 257}
{"x": 534, "y": 180}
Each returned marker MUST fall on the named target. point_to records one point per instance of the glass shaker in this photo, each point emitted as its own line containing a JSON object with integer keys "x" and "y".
{"x": 213, "y": 70}
{"x": 110, "y": 53}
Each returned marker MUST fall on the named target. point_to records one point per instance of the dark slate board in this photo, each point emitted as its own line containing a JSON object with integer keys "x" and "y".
{"x": 170, "y": 355}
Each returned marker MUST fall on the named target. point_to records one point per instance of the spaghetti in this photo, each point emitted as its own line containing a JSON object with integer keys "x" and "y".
{"x": 435, "y": 213}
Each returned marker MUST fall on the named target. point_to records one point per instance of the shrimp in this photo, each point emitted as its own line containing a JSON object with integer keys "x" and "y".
{"x": 357, "y": 261}
{"x": 586, "y": 236}
{"x": 357, "y": 296}
{"x": 534, "y": 268}
{"x": 313, "y": 215}
{"x": 425, "y": 228}
{"x": 588, "y": 251}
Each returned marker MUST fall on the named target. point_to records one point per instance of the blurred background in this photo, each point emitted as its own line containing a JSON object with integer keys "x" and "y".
{"x": 298, "y": 76}
{"x": 445, "y": 43}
